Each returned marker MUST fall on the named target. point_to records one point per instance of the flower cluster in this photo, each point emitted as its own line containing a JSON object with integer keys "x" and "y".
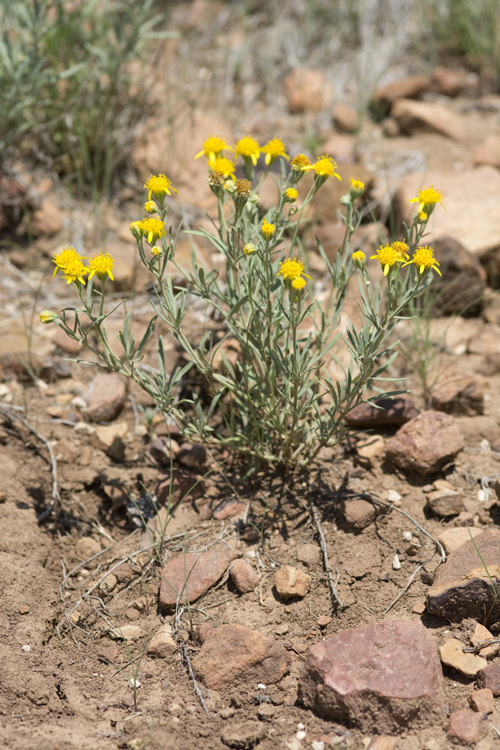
{"x": 398, "y": 253}
{"x": 292, "y": 272}
{"x": 70, "y": 262}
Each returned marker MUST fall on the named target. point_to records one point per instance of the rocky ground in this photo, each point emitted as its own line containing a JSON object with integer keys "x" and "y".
{"x": 352, "y": 605}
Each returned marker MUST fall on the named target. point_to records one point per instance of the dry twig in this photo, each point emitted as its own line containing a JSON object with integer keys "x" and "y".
{"x": 332, "y": 584}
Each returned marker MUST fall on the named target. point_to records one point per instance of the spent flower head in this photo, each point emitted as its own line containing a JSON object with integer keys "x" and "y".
{"x": 102, "y": 266}
{"x": 159, "y": 186}
{"x": 153, "y": 228}
{"x": 213, "y": 147}
{"x": 273, "y": 150}
{"x": 248, "y": 148}
{"x": 427, "y": 198}
{"x": 424, "y": 259}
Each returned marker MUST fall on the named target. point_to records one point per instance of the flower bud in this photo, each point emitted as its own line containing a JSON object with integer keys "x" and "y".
{"x": 47, "y": 316}
{"x": 137, "y": 230}
{"x": 359, "y": 259}
{"x": 250, "y": 248}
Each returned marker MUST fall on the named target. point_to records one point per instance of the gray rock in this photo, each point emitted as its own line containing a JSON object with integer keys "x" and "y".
{"x": 378, "y": 677}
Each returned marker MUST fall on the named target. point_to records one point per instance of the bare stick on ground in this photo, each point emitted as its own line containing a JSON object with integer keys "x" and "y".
{"x": 332, "y": 584}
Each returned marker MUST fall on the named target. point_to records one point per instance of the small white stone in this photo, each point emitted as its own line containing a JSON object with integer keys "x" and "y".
{"x": 300, "y": 726}
{"x": 485, "y": 445}
{"x": 134, "y": 683}
{"x": 482, "y": 496}
{"x": 407, "y": 535}
{"x": 396, "y": 565}
{"x": 394, "y": 497}
{"x": 78, "y": 402}
{"x": 261, "y": 686}
{"x": 26, "y": 648}
{"x": 301, "y": 735}
{"x": 317, "y": 745}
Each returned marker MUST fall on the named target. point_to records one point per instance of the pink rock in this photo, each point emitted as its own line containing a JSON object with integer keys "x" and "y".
{"x": 385, "y": 412}
{"x": 359, "y": 513}
{"x": 466, "y": 726}
{"x": 379, "y": 677}
{"x": 307, "y": 90}
{"x": 425, "y": 444}
{"x": 489, "y": 677}
{"x": 228, "y": 508}
{"x": 106, "y": 398}
{"x": 234, "y": 654}
{"x": 482, "y": 701}
{"x": 459, "y": 395}
{"x": 244, "y": 577}
{"x": 188, "y": 576}
{"x": 177, "y": 486}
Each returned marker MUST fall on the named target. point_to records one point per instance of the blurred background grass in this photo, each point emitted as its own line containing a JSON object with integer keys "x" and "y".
{"x": 78, "y": 78}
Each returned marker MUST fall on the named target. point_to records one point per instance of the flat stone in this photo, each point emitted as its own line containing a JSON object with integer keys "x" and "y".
{"x": 464, "y": 211}
{"x": 481, "y": 635}
{"x": 453, "y": 655}
{"x": 243, "y": 735}
{"x": 188, "y": 576}
{"x": 384, "y": 412}
{"x": 244, "y": 577}
{"x": 454, "y": 538}
{"x": 351, "y": 677}
{"x": 405, "y": 88}
{"x": 425, "y": 444}
{"x": 234, "y": 654}
{"x": 462, "y": 395}
{"x": 162, "y": 644}
{"x": 228, "y": 508}
{"x": 109, "y": 653}
{"x": 462, "y": 587}
{"x": 291, "y": 582}
{"x": 382, "y": 742}
{"x": 444, "y": 503}
{"x": 430, "y": 117}
{"x": 466, "y": 726}
{"x": 126, "y": 632}
{"x": 307, "y": 553}
{"x": 370, "y": 449}
{"x": 359, "y": 513}
{"x": 106, "y": 397}
{"x": 489, "y": 677}
{"x": 482, "y": 701}
{"x": 111, "y": 439}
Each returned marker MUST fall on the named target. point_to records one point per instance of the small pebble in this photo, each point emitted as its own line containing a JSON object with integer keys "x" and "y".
{"x": 317, "y": 745}
{"x": 301, "y": 735}
{"x": 407, "y": 535}
{"x": 26, "y": 648}
{"x": 394, "y": 497}
{"x": 396, "y": 565}
{"x": 482, "y": 496}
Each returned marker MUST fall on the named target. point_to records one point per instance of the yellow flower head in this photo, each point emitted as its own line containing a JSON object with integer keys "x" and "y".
{"x": 67, "y": 255}
{"x": 325, "y": 167}
{"x": 357, "y": 188}
{"x": 298, "y": 283}
{"x": 151, "y": 207}
{"x": 424, "y": 259}
{"x": 274, "y": 149}
{"x": 153, "y": 228}
{"x": 102, "y": 266}
{"x": 300, "y": 163}
{"x": 222, "y": 165}
{"x": 159, "y": 186}
{"x": 402, "y": 249}
{"x": 74, "y": 271}
{"x": 47, "y": 316}
{"x": 387, "y": 256}
{"x": 427, "y": 200}
{"x": 267, "y": 230}
{"x": 292, "y": 269}
{"x": 213, "y": 147}
{"x": 248, "y": 148}
{"x": 422, "y": 216}
{"x": 156, "y": 251}
{"x": 359, "y": 259}
{"x": 290, "y": 195}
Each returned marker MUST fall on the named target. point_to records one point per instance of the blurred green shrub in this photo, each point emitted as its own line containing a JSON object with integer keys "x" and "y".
{"x": 73, "y": 83}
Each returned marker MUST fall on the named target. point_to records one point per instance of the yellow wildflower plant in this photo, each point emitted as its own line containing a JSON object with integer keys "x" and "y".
{"x": 224, "y": 166}
{"x": 250, "y": 248}
{"x": 101, "y": 265}
{"x": 427, "y": 198}
{"x": 324, "y": 167}
{"x": 402, "y": 249}
{"x": 212, "y": 148}
{"x": 159, "y": 186}
{"x": 298, "y": 283}
{"x": 424, "y": 260}
{"x": 156, "y": 251}
{"x": 357, "y": 188}
{"x": 387, "y": 256}
{"x": 75, "y": 272}
{"x": 267, "y": 229}
{"x": 153, "y": 228}
{"x": 151, "y": 207}
{"x": 292, "y": 269}
{"x": 273, "y": 150}
{"x": 248, "y": 148}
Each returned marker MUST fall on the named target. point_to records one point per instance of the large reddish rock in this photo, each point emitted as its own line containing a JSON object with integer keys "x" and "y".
{"x": 106, "y": 397}
{"x": 234, "y": 654}
{"x": 462, "y": 587}
{"x": 416, "y": 117}
{"x": 425, "y": 444}
{"x": 188, "y": 576}
{"x": 307, "y": 90}
{"x": 463, "y": 395}
{"x": 466, "y": 726}
{"x": 489, "y": 677}
{"x": 406, "y": 88}
{"x": 384, "y": 412}
{"x": 378, "y": 677}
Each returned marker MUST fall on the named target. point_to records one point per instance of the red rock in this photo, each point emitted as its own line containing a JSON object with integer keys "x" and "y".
{"x": 384, "y": 412}
{"x": 482, "y": 701}
{"x": 307, "y": 90}
{"x": 461, "y": 585}
{"x": 291, "y": 582}
{"x": 109, "y": 653}
{"x": 106, "y": 397}
{"x": 445, "y": 503}
{"x": 228, "y": 508}
{"x": 379, "y": 677}
{"x": 188, "y": 576}
{"x": 233, "y": 654}
{"x": 359, "y": 513}
{"x": 405, "y": 88}
{"x": 489, "y": 677}
{"x": 47, "y": 220}
{"x": 425, "y": 444}
{"x": 416, "y": 117}
{"x": 244, "y": 577}
{"x": 459, "y": 395}
{"x": 466, "y": 726}
{"x": 345, "y": 117}
{"x": 488, "y": 152}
